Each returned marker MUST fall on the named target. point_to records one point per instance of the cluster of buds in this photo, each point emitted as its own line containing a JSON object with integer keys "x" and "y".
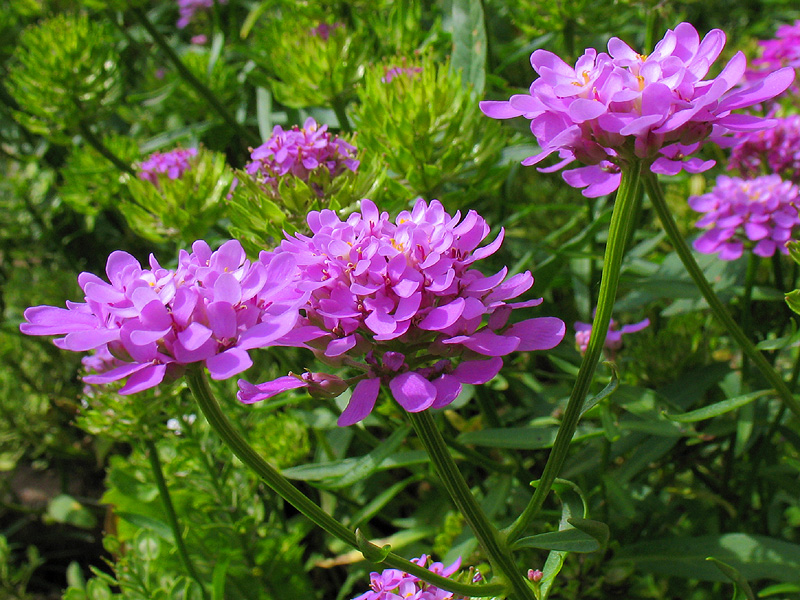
{"x": 611, "y": 108}
{"x": 583, "y": 332}
{"x": 406, "y": 297}
{"x": 173, "y": 164}
{"x": 300, "y": 152}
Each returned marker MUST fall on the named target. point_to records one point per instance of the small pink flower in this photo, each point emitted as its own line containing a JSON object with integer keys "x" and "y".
{"x": 173, "y": 164}
{"x": 583, "y": 331}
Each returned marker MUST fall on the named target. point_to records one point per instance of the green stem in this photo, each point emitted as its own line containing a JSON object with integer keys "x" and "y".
{"x": 187, "y": 75}
{"x": 98, "y": 145}
{"x": 196, "y": 378}
{"x": 660, "y": 205}
{"x": 341, "y": 115}
{"x": 747, "y": 302}
{"x": 489, "y": 538}
{"x": 172, "y": 517}
{"x": 618, "y": 231}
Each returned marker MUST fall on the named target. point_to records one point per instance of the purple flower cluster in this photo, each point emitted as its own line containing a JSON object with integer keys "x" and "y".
{"x": 583, "y": 331}
{"x": 405, "y": 296}
{"x": 612, "y": 107}
{"x": 391, "y": 73}
{"x": 783, "y": 51}
{"x": 173, "y": 163}
{"x": 777, "y": 149}
{"x": 189, "y": 8}
{"x": 213, "y": 308}
{"x": 393, "y": 584}
{"x": 300, "y": 152}
{"x": 759, "y": 213}
{"x": 324, "y": 30}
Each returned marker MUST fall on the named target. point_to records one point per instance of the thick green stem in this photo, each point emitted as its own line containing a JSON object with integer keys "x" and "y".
{"x": 187, "y": 76}
{"x": 489, "y": 538}
{"x": 172, "y": 517}
{"x": 341, "y": 114}
{"x": 618, "y": 231}
{"x": 747, "y": 303}
{"x": 748, "y": 348}
{"x": 196, "y": 378}
{"x": 98, "y": 145}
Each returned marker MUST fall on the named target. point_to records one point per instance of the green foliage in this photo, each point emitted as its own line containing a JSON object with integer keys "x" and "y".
{"x": 429, "y": 129}
{"x": 183, "y": 209}
{"x": 91, "y": 182}
{"x": 14, "y": 578}
{"x": 64, "y": 74}
{"x": 303, "y": 69}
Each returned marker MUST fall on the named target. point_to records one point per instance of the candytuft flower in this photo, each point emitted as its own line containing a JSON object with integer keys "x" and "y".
{"x": 173, "y": 163}
{"x": 611, "y": 108}
{"x": 783, "y": 51}
{"x": 583, "y": 331}
{"x": 776, "y": 149}
{"x": 300, "y": 152}
{"x": 213, "y": 308}
{"x": 756, "y": 213}
{"x": 402, "y": 303}
{"x": 393, "y": 584}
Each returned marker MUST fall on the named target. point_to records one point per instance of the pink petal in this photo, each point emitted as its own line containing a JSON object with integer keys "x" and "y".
{"x": 361, "y": 403}
{"x": 229, "y": 363}
{"x": 413, "y": 391}
{"x": 541, "y": 333}
{"x": 476, "y": 372}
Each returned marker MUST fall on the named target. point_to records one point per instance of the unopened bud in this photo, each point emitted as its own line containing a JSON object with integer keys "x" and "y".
{"x": 535, "y": 575}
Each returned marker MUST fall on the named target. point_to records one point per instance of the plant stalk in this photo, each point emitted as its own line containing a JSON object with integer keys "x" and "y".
{"x": 96, "y": 143}
{"x": 618, "y": 234}
{"x": 198, "y": 383}
{"x": 189, "y": 77}
{"x": 681, "y": 247}
{"x": 172, "y": 517}
{"x": 489, "y": 538}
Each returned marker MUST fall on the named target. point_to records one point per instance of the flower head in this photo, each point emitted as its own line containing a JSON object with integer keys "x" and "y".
{"x": 393, "y": 584}
{"x": 759, "y": 213}
{"x": 212, "y": 309}
{"x": 393, "y": 72}
{"x": 583, "y": 331}
{"x": 776, "y": 148}
{"x": 402, "y": 303}
{"x": 173, "y": 164}
{"x": 610, "y": 108}
{"x": 299, "y": 153}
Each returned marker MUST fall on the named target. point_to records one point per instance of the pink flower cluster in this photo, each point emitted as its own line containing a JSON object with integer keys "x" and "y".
{"x": 758, "y": 213}
{"x": 406, "y": 296}
{"x": 189, "y": 8}
{"x": 393, "y": 584}
{"x": 212, "y": 309}
{"x": 776, "y": 149}
{"x": 583, "y": 331}
{"x": 783, "y": 51}
{"x": 324, "y": 30}
{"x": 613, "y": 107}
{"x": 173, "y": 163}
{"x": 300, "y": 152}
{"x": 391, "y": 73}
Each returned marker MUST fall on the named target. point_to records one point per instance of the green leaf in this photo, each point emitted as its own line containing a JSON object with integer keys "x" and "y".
{"x": 597, "y": 529}
{"x": 264, "y": 112}
{"x": 65, "y": 509}
{"x": 218, "y": 579}
{"x": 338, "y": 468}
{"x": 159, "y": 528}
{"x": 716, "y": 409}
{"x": 369, "y": 463}
{"x": 793, "y": 300}
{"x": 469, "y": 43}
{"x": 370, "y": 551}
{"x": 736, "y": 577}
{"x": 754, "y": 556}
{"x": 522, "y": 438}
{"x": 566, "y": 540}
{"x": 605, "y": 392}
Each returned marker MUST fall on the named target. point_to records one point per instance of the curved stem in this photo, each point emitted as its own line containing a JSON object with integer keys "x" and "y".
{"x": 189, "y": 77}
{"x": 748, "y": 348}
{"x": 98, "y": 145}
{"x": 196, "y": 378}
{"x": 618, "y": 230}
{"x": 489, "y": 538}
{"x": 172, "y": 517}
